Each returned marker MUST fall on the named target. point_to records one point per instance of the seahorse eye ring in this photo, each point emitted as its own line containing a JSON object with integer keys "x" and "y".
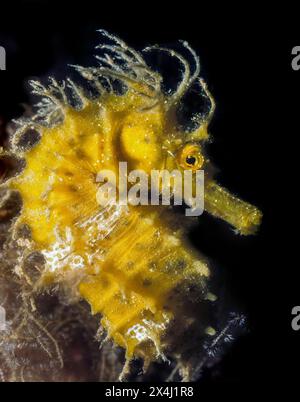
{"x": 190, "y": 157}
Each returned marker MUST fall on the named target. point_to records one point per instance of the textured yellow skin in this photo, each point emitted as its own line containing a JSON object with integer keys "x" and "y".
{"x": 58, "y": 189}
{"x": 128, "y": 267}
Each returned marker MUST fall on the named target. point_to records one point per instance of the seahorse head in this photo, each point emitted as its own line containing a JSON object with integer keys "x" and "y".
{"x": 142, "y": 123}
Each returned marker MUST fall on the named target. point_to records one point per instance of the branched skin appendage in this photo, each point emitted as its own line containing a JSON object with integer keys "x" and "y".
{"x": 132, "y": 264}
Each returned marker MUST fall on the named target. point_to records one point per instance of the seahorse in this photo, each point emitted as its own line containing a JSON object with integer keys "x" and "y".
{"x": 133, "y": 264}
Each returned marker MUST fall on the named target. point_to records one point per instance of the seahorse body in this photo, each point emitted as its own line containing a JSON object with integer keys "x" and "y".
{"x": 133, "y": 264}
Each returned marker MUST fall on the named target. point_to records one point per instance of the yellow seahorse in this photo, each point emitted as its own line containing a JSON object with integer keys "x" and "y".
{"x": 133, "y": 264}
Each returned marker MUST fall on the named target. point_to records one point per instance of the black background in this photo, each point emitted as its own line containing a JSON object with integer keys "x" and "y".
{"x": 246, "y": 61}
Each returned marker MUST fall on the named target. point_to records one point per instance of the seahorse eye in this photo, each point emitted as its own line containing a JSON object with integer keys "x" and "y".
{"x": 191, "y": 160}
{"x": 190, "y": 157}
